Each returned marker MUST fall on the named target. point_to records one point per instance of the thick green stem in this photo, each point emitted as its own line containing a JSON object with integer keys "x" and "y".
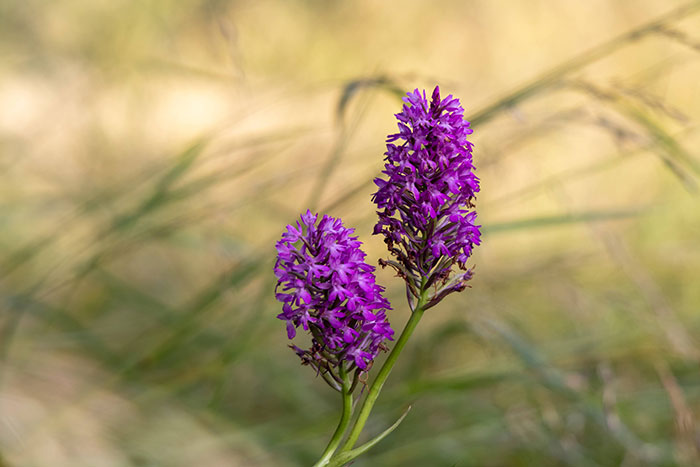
{"x": 383, "y": 374}
{"x": 344, "y": 420}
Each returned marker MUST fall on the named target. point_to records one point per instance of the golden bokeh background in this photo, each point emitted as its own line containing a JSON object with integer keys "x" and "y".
{"x": 151, "y": 153}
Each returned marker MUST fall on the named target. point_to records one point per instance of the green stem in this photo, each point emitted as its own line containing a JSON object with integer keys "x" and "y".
{"x": 344, "y": 420}
{"x": 383, "y": 374}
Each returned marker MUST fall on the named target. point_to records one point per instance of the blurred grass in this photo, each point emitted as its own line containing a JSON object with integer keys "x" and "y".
{"x": 152, "y": 153}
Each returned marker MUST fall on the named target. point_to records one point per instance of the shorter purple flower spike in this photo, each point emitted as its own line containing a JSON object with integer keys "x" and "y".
{"x": 327, "y": 289}
{"x": 425, "y": 202}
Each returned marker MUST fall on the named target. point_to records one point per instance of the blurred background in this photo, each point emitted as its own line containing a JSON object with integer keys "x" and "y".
{"x": 151, "y": 153}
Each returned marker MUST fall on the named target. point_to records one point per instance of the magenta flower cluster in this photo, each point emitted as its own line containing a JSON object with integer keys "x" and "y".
{"x": 328, "y": 290}
{"x": 426, "y": 198}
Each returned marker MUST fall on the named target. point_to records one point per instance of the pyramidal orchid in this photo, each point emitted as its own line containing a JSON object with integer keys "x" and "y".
{"x": 328, "y": 290}
{"x": 427, "y": 197}
{"x": 426, "y": 215}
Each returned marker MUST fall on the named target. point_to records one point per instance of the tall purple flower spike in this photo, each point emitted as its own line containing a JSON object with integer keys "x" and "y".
{"x": 327, "y": 289}
{"x": 426, "y": 202}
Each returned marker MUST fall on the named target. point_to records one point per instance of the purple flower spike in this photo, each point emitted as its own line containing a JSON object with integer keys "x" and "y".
{"x": 328, "y": 290}
{"x": 425, "y": 202}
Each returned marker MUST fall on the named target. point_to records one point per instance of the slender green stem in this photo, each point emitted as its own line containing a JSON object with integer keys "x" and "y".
{"x": 383, "y": 374}
{"x": 344, "y": 420}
